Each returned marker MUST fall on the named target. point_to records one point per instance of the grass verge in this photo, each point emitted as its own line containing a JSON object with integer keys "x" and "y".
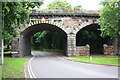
{"x": 0, "y": 72}
{"x": 13, "y": 68}
{"x": 110, "y": 60}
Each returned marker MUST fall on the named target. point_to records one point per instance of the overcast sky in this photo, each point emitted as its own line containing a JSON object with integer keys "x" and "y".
{"x": 86, "y": 4}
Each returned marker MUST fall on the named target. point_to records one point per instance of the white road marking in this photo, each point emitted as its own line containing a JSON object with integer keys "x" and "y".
{"x": 25, "y": 69}
{"x": 30, "y": 69}
{"x": 73, "y": 68}
{"x": 29, "y": 72}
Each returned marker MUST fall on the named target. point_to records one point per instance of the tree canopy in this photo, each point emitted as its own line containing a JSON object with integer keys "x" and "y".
{"x": 47, "y": 40}
{"x": 15, "y": 13}
{"x": 85, "y": 37}
{"x": 78, "y": 7}
{"x": 110, "y": 19}
{"x": 63, "y": 5}
{"x": 58, "y": 4}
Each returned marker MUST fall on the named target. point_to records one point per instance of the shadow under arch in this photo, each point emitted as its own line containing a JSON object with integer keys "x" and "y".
{"x": 96, "y": 43}
{"x": 25, "y": 36}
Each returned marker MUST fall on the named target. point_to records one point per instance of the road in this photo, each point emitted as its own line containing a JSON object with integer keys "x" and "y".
{"x": 47, "y": 65}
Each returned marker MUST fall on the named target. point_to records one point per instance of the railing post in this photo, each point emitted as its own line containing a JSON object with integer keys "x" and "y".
{"x": 105, "y": 47}
{"x": 87, "y": 50}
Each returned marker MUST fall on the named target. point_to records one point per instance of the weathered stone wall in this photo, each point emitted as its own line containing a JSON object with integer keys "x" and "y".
{"x": 15, "y": 45}
{"x": 25, "y": 45}
{"x": 109, "y": 50}
{"x": 15, "y": 48}
{"x": 83, "y": 50}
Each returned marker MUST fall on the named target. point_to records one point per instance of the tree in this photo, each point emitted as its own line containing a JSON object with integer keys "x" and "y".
{"x": 15, "y": 13}
{"x": 58, "y": 4}
{"x": 85, "y": 37}
{"x": 47, "y": 40}
{"x": 109, "y": 20}
{"x": 79, "y": 7}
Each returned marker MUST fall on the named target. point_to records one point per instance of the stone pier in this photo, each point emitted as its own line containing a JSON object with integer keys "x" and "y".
{"x": 71, "y": 45}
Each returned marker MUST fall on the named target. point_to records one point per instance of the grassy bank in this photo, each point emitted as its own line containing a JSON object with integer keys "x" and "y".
{"x": 0, "y": 72}
{"x": 13, "y": 68}
{"x": 111, "y": 60}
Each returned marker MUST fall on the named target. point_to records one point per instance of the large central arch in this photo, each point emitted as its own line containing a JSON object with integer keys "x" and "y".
{"x": 27, "y": 33}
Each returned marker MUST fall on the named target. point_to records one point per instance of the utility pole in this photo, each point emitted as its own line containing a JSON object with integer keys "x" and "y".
{"x": 118, "y": 34}
{"x": 2, "y": 55}
{"x": 2, "y": 46}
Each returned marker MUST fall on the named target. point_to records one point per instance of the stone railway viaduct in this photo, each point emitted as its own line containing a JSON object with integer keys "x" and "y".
{"x": 66, "y": 22}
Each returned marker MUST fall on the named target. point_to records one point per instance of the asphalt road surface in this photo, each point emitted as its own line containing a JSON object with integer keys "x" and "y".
{"x": 47, "y": 65}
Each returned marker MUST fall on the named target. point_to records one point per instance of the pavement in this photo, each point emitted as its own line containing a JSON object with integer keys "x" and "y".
{"x": 47, "y": 65}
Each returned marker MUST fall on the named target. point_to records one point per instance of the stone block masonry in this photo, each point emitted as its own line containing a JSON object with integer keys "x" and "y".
{"x": 109, "y": 50}
{"x": 83, "y": 50}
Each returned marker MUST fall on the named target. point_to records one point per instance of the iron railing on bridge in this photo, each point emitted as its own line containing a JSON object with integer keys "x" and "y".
{"x": 65, "y": 11}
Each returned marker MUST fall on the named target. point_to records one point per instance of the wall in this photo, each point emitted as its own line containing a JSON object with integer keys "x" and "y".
{"x": 83, "y": 50}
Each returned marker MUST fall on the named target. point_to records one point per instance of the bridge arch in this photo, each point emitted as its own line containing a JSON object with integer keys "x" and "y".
{"x": 39, "y": 26}
{"x": 24, "y": 26}
{"x": 96, "y": 45}
{"x": 85, "y": 24}
{"x": 90, "y": 26}
{"x": 28, "y": 30}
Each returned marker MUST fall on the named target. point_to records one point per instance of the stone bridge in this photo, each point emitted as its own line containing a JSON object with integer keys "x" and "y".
{"x": 66, "y": 22}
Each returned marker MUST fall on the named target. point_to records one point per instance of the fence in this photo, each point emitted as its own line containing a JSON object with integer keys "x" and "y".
{"x": 65, "y": 11}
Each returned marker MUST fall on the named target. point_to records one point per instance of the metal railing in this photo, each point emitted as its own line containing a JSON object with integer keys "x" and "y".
{"x": 34, "y": 19}
{"x": 65, "y": 11}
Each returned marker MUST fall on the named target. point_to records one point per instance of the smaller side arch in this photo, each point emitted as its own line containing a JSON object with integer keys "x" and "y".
{"x": 84, "y": 24}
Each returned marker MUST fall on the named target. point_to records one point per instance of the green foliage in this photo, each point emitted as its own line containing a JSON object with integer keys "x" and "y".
{"x": 112, "y": 60}
{"x": 7, "y": 38}
{"x": 58, "y": 4}
{"x": 109, "y": 20}
{"x": 13, "y": 68}
{"x": 87, "y": 37}
{"x": 47, "y": 40}
{"x": 15, "y": 13}
{"x": 79, "y": 7}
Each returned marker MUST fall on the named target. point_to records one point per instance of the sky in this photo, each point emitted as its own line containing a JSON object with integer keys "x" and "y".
{"x": 86, "y": 4}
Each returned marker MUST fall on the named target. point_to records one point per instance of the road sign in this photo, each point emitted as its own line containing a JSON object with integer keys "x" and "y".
{"x": 43, "y": 19}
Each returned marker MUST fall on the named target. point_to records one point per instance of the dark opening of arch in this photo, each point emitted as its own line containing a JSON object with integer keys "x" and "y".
{"x": 91, "y": 35}
{"x": 48, "y": 40}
